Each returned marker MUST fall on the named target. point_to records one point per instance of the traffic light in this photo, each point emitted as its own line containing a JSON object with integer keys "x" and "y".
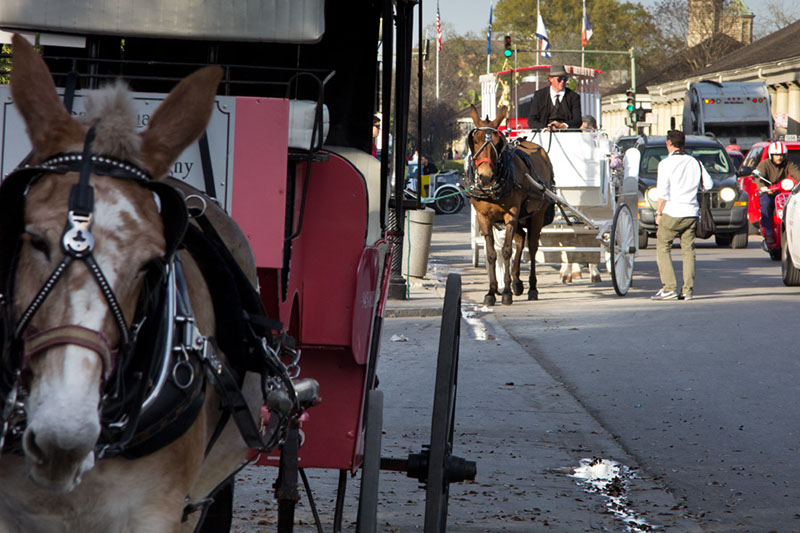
{"x": 508, "y": 51}
{"x": 630, "y": 98}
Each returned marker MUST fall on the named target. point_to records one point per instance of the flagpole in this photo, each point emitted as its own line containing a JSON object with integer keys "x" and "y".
{"x": 583, "y": 25}
{"x": 489, "y": 42}
{"x": 437, "y": 74}
{"x": 438, "y": 46}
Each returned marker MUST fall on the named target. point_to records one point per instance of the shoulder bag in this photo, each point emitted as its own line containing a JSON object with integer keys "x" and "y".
{"x": 705, "y": 224}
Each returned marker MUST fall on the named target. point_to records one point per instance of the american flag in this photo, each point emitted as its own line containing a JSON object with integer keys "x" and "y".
{"x": 438, "y": 27}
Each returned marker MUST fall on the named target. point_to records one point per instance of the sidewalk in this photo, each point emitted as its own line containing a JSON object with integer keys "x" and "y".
{"x": 525, "y": 431}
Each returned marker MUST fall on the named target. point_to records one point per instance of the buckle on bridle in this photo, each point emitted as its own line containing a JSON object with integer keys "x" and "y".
{"x": 78, "y": 240}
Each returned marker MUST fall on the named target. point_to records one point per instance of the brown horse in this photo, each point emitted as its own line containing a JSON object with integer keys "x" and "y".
{"x": 75, "y": 291}
{"x": 503, "y": 195}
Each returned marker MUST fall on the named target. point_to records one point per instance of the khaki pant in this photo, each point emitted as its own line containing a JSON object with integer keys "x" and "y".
{"x": 668, "y": 229}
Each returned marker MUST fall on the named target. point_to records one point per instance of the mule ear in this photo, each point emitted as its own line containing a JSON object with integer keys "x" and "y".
{"x": 473, "y": 114}
{"x": 501, "y": 116}
{"x": 179, "y": 120}
{"x": 50, "y": 127}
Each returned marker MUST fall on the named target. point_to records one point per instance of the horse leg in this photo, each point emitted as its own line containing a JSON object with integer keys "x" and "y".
{"x": 519, "y": 245}
{"x": 511, "y": 229}
{"x": 594, "y": 273}
{"x": 534, "y": 231}
{"x": 576, "y": 271}
{"x": 566, "y": 269}
{"x": 491, "y": 260}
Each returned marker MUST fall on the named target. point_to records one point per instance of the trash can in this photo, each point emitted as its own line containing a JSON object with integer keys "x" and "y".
{"x": 417, "y": 242}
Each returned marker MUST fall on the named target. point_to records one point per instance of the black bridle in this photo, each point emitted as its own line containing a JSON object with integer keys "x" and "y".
{"x": 501, "y": 182}
{"x": 21, "y": 341}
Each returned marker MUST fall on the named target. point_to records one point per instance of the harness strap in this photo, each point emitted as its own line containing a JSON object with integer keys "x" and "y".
{"x": 38, "y": 341}
{"x": 226, "y": 383}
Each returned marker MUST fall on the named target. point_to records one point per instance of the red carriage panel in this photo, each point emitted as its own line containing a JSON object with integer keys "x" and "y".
{"x": 259, "y": 187}
{"x": 326, "y": 254}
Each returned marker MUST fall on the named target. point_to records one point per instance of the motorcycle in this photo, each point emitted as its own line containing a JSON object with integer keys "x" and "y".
{"x": 446, "y": 196}
{"x": 780, "y": 191}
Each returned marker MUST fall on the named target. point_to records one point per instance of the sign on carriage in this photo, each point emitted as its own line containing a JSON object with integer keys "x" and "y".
{"x": 189, "y": 168}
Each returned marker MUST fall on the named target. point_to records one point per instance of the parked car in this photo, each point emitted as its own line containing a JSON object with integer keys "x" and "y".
{"x": 790, "y": 239}
{"x": 625, "y": 142}
{"x": 728, "y": 201}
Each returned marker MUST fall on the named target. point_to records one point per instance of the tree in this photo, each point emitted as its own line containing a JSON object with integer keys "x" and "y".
{"x": 779, "y": 17}
{"x": 461, "y": 62}
{"x": 616, "y": 26}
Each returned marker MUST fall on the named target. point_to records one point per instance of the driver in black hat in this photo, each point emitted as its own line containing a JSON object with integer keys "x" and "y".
{"x": 556, "y": 106}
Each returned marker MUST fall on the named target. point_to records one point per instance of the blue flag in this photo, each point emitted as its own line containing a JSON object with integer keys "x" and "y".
{"x": 489, "y": 33}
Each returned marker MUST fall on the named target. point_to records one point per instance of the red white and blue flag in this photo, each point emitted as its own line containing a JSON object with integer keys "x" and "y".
{"x": 438, "y": 28}
{"x": 586, "y": 31}
{"x": 541, "y": 33}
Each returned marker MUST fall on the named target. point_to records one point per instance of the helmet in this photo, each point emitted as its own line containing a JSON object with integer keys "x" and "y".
{"x": 777, "y": 148}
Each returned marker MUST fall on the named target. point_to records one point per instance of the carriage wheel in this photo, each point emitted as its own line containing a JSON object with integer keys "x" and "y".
{"x": 622, "y": 249}
{"x": 444, "y": 408}
{"x": 370, "y": 468}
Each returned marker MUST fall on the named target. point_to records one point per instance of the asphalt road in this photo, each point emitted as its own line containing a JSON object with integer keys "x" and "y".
{"x": 703, "y": 394}
{"x": 696, "y": 397}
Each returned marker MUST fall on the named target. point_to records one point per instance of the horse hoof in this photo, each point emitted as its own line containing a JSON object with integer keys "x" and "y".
{"x": 507, "y": 298}
{"x": 596, "y": 279}
{"x": 533, "y": 295}
{"x": 518, "y": 288}
{"x": 489, "y": 299}
{"x": 566, "y": 279}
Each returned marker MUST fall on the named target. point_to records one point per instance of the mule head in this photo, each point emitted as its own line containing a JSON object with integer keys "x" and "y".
{"x": 485, "y": 145}
{"x": 72, "y": 338}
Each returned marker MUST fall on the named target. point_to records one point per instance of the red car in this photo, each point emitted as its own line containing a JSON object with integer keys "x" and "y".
{"x": 758, "y": 153}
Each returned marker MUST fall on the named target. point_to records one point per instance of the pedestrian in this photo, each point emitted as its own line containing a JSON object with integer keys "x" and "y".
{"x": 428, "y": 167}
{"x": 733, "y": 145}
{"x": 556, "y": 107}
{"x": 680, "y": 176}
{"x": 376, "y": 131}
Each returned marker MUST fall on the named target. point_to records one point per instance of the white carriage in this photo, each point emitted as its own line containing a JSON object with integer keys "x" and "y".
{"x": 595, "y": 207}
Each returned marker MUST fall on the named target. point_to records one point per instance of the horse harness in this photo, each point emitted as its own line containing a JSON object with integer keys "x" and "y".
{"x": 154, "y": 381}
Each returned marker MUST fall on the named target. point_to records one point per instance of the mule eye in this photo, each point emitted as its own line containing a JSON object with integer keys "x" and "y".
{"x": 38, "y": 243}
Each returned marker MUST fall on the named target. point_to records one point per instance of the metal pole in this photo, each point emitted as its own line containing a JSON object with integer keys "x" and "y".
{"x": 633, "y": 70}
{"x": 583, "y": 22}
{"x": 489, "y": 44}
{"x": 404, "y": 20}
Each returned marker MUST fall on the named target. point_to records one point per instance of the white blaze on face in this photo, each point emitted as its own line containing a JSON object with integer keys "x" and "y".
{"x": 63, "y": 404}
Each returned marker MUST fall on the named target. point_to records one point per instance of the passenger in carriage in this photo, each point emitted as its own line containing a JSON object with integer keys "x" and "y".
{"x": 556, "y": 107}
{"x": 589, "y": 123}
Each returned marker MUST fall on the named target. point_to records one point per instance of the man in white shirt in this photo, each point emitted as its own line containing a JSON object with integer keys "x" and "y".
{"x": 679, "y": 178}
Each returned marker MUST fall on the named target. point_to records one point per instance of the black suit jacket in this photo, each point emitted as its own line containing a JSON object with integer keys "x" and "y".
{"x": 542, "y": 112}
